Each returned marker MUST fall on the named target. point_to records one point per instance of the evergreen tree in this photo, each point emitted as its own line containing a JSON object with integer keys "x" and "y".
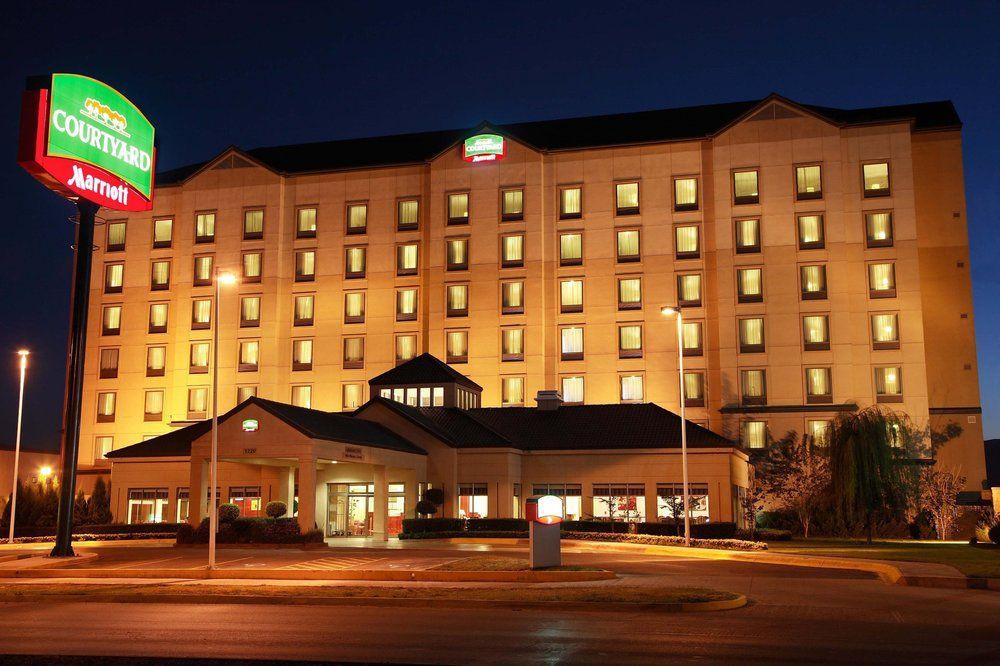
{"x": 99, "y": 507}
{"x": 81, "y": 510}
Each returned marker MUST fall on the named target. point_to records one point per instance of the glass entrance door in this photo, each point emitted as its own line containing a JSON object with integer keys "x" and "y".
{"x": 351, "y": 509}
{"x": 336, "y": 508}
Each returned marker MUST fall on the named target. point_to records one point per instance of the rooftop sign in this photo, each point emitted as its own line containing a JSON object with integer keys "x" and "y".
{"x": 484, "y": 148}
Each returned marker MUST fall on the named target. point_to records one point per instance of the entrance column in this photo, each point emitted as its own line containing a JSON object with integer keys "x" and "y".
{"x": 196, "y": 492}
{"x": 288, "y": 490}
{"x": 409, "y": 493}
{"x": 380, "y": 506}
{"x": 307, "y": 494}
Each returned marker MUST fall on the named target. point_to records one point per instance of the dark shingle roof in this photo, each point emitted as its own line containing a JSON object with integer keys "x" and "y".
{"x": 169, "y": 445}
{"x": 423, "y": 369}
{"x": 686, "y": 123}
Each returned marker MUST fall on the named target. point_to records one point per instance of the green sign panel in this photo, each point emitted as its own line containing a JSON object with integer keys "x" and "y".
{"x": 94, "y": 123}
{"x": 250, "y": 425}
{"x": 484, "y": 148}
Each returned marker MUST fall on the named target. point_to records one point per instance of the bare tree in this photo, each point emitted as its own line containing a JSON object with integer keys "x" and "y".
{"x": 939, "y": 490}
{"x": 752, "y": 501}
{"x": 803, "y": 482}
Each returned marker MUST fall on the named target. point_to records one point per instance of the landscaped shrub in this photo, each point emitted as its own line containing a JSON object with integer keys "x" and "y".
{"x": 594, "y": 526}
{"x": 994, "y": 534}
{"x": 698, "y": 530}
{"x": 777, "y": 520}
{"x": 426, "y": 508}
{"x": 275, "y": 509}
{"x": 425, "y": 525}
{"x": 435, "y": 495}
{"x": 496, "y": 525}
{"x": 250, "y": 530}
{"x": 228, "y": 513}
{"x": 651, "y": 540}
{"x": 460, "y": 535}
{"x": 161, "y": 529}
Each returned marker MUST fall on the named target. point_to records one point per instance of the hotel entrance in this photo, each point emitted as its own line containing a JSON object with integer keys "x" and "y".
{"x": 351, "y": 509}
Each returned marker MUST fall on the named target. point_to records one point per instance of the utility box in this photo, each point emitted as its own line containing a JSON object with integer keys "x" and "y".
{"x": 544, "y": 514}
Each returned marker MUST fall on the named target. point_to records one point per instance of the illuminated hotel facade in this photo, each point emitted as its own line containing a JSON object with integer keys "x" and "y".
{"x": 820, "y": 258}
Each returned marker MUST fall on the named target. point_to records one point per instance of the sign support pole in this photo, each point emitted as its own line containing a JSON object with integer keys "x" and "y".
{"x": 87, "y": 212}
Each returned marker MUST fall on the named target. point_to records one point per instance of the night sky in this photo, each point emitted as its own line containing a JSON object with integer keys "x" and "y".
{"x": 254, "y": 75}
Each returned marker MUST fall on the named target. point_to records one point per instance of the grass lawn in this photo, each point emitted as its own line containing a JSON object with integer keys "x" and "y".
{"x": 981, "y": 560}
{"x": 481, "y": 563}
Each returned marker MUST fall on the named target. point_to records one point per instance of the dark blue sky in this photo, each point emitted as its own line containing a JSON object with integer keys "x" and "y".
{"x": 248, "y": 74}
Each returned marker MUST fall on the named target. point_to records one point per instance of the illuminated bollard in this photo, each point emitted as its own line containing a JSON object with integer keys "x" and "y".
{"x": 544, "y": 515}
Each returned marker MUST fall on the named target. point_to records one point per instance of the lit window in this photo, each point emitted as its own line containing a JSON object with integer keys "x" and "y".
{"x": 155, "y": 361}
{"x": 572, "y": 390}
{"x": 819, "y": 387}
{"x": 885, "y": 331}
{"x": 813, "y": 282}
{"x": 354, "y": 353}
{"x": 116, "y": 237}
{"x": 631, "y": 388}
{"x": 103, "y": 445}
{"x": 458, "y": 208}
{"x": 109, "y": 363}
{"x": 748, "y": 236}
{"x": 406, "y": 304}
{"x": 816, "y": 332}
{"x": 626, "y": 198}
{"x": 630, "y": 341}
{"x": 689, "y": 290}
{"x": 159, "y": 278}
{"x": 458, "y": 300}
{"x": 305, "y": 266}
{"x": 512, "y": 251}
{"x": 572, "y": 343}
{"x": 357, "y": 218}
{"x": 512, "y": 343}
{"x": 753, "y": 387}
{"x": 570, "y": 203}
{"x": 302, "y": 354}
{"x": 751, "y": 335}
{"x": 686, "y": 242}
{"x": 106, "y": 407}
{"x": 304, "y": 306}
{"x": 620, "y": 501}
{"x": 146, "y": 505}
{"x": 888, "y": 385}
{"x": 406, "y": 259}
{"x": 158, "y": 318}
{"x": 302, "y": 396}
{"x": 203, "y": 270}
{"x": 685, "y": 194}
{"x": 250, "y": 311}
{"x": 878, "y": 229}
{"x": 753, "y": 434}
{"x": 694, "y": 389}
{"x": 113, "y": 278}
{"x": 630, "y": 293}
{"x": 354, "y": 307}
{"x": 355, "y": 262}
{"x": 197, "y": 402}
{"x": 153, "y": 406}
{"x": 876, "y": 177}
{"x": 628, "y": 245}
{"x": 204, "y": 228}
{"x": 881, "y": 280}
{"x": 691, "y": 338}
{"x": 253, "y": 224}
{"x": 163, "y": 231}
{"x": 111, "y": 320}
{"x": 571, "y": 249}
{"x": 819, "y": 432}
{"x": 251, "y": 267}
{"x": 407, "y": 214}
{"x": 244, "y": 393}
{"x": 808, "y": 182}
{"x": 458, "y": 254}
{"x": 473, "y": 500}
{"x": 745, "y": 190}
{"x": 749, "y": 285}
{"x": 457, "y": 346}
{"x": 811, "y": 236}
{"x": 512, "y": 294}
{"x": 406, "y": 347}
{"x": 512, "y": 202}
{"x": 199, "y": 358}
{"x": 305, "y": 224}
{"x": 512, "y": 391}
{"x": 670, "y": 502}
{"x": 571, "y": 296}
{"x": 352, "y": 396}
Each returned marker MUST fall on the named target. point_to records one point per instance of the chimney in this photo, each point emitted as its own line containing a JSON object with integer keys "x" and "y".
{"x": 548, "y": 401}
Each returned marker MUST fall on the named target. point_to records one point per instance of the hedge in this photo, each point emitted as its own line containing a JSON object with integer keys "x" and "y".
{"x": 594, "y": 526}
{"x": 251, "y": 530}
{"x": 158, "y": 529}
{"x": 698, "y": 530}
{"x": 459, "y": 535}
{"x": 425, "y": 525}
{"x": 765, "y": 534}
{"x": 496, "y": 525}
{"x": 131, "y": 536}
{"x": 651, "y": 540}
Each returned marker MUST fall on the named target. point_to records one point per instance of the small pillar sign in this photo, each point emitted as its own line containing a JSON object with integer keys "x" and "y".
{"x": 544, "y": 516}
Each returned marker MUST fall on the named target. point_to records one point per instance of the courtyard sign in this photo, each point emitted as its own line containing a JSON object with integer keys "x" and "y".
{"x": 484, "y": 148}
{"x": 250, "y": 425}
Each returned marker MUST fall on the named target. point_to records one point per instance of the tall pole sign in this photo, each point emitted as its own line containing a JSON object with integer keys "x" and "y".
{"x": 86, "y": 141}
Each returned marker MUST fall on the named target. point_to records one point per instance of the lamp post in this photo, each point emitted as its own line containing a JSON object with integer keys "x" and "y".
{"x": 23, "y": 354}
{"x": 213, "y": 511}
{"x": 667, "y": 311}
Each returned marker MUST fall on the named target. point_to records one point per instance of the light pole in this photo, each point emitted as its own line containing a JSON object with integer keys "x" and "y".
{"x": 667, "y": 311}
{"x": 23, "y": 354}
{"x": 213, "y": 511}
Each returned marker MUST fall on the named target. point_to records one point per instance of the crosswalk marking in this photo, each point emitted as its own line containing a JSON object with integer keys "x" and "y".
{"x": 333, "y": 563}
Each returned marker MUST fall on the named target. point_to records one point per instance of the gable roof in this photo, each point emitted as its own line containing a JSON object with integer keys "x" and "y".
{"x": 423, "y": 369}
{"x": 643, "y": 127}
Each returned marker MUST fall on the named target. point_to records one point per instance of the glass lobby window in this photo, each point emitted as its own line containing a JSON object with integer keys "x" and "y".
{"x": 512, "y": 251}
{"x": 106, "y": 407}
{"x": 304, "y": 306}
{"x": 472, "y": 500}
{"x": 203, "y": 270}
{"x": 819, "y": 431}
{"x": 745, "y": 190}
{"x": 512, "y": 391}
{"x": 352, "y": 396}
{"x": 158, "y": 318}
{"x": 111, "y": 320}
{"x": 620, "y": 501}
{"x": 512, "y": 205}
{"x": 748, "y": 236}
{"x": 156, "y": 358}
{"x": 512, "y": 344}
{"x": 305, "y": 223}
{"x": 572, "y": 343}
{"x": 406, "y": 259}
{"x": 109, "y": 363}
{"x": 512, "y": 297}
{"x": 878, "y": 229}
{"x": 305, "y": 265}
{"x": 630, "y": 341}
{"x": 458, "y": 208}
{"x": 355, "y": 259}
{"x": 159, "y": 275}
{"x": 354, "y": 307}
{"x": 457, "y": 346}
{"x": 819, "y": 385}
{"x": 197, "y": 402}
{"x": 457, "y": 300}
{"x": 116, "y": 237}
{"x": 199, "y": 357}
{"x": 691, "y": 344}
{"x": 630, "y": 293}
{"x": 751, "y": 335}
{"x": 571, "y": 249}
{"x": 357, "y": 218}
{"x": 146, "y": 505}
{"x": 570, "y": 203}
{"x": 811, "y": 236}
{"x": 808, "y": 182}
{"x": 753, "y": 387}
{"x": 406, "y": 347}
{"x": 251, "y": 267}
{"x": 244, "y": 393}
{"x": 571, "y": 495}
{"x": 628, "y": 245}
{"x": 572, "y": 390}
{"x": 153, "y": 406}
{"x": 753, "y": 434}
{"x": 253, "y": 224}
{"x": 888, "y": 385}
{"x": 302, "y": 354}
{"x": 204, "y": 228}
{"x": 250, "y": 311}
{"x": 813, "y": 280}
{"x": 694, "y": 389}
{"x": 407, "y": 214}
{"x": 686, "y": 242}
{"x": 670, "y": 502}
{"x": 458, "y": 254}
{"x": 406, "y": 304}
{"x": 816, "y": 332}
{"x": 749, "y": 285}
{"x": 249, "y": 356}
{"x": 627, "y": 198}
{"x": 163, "y": 232}
{"x": 113, "y": 278}
{"x": 103, "y": 445}
{"x": 689, "y": 290}
{"x": 881, "y": 280}
{"x": 302, "y": 396}
{"x": 876, "y": 179}
{"x": 885, "y": 331}
{"x": 685, "y": 194}
{"x": 354, "y": 353}
{"x": 571, "y": 296}
{"x": 631, "y": 388}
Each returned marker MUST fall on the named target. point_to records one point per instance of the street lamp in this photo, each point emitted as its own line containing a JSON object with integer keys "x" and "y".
{"x": 213, "y": 520}
{"x": 667, "y": 311}
{"x": 23, "y": 354}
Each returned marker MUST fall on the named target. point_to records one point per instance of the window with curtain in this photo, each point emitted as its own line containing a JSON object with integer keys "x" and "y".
{"x": 748, "y": 235}
{"x": 876, "y": 178}
{"x": 106, "y": 407}
{"x": 352, "y": 396}
{"x": 751, "y": 335}
{"x": 819, "y": 387}
{"x": 685, "y": 194}
{"x": 627, "y": 198}
{"x": 628, "y": 245}
{"x": 819, "y": 432}
{"x": 572, "y": 390}
{"x": 357, "y": 218}
{"x": 244, "y": 393}
{"x": 302, "y": 396}
{"x": 109, "y": 363}
{"x": 512, "y": 391}
{"x": 458, "y": 208}
{"x": 881, "y": 280}
{"x": 571, "y": 249}
{"x": 749, "y": 285}
{"x": 113, "y": 278}
{"x": 251, "y": 267}
{"x": 512, "y": 205}
{"x": 630, "y": 341}
{"x": 512, "y": 295}
{"x": 406, "y": 347}
{"x": 406, "y": 304}
{"x": 354, "y": 307}
{"x": 745, "y": 189}
{"x": 885, "y": 331}
{"x": 691, "y": 338}
{"x": 686, "y": 242}
{"x": 253, "y": 224}
{"x": 406, "y": 259}
{"x": 200, "y": 352}
{"x": 457, "y": 346}
{"x": 571, "y": 296}
{"x": 629, "y": 293}
{"x": 813, "y": 282}
{"x": 888, "y": 385}
{"x": 572, "y": 343}
{"x": 816, "y": 332}
{"x": 201, "y": 314}
{"x": 753, "y": 434}
{"x": 156, "y": 358}
{"x": 407, "y": 214}
{"x": 631, "y": 388}
{"x": 354, "y": 262}
{"x": 752, "y": 387}
{"x": 116, "y": 237}
{"x": 197, "y": 402}
{"x": 163, "y": 232}
{"x": 354, "y": 352}
{"x": 153, "y": 406}
{"x": 204, "y": 228}
{"x": 305, "y": 223}
{"x": 103, "y": 445}
{"x": 158, "y": 318}
{"x": 689, "y": 290}
{"x": 811, "y": 236}
{"x": 458, "y": 254}
{"x": 512, "y": 251}
{"x": 249, "y": 355}
{"x": 878, "y": 229}
{"x": 305, "y": 265}
{"x": 160, "y": 275}
{"x": 458, "y": 300}
{"x": 203, "y": 270}
{"x": 808, "y": 182}
{"x": 570, "y": 200}
{"x": 512, "y": 343}
{"x": 304, "y": 307}
{"x": 250, "y": 311}
{"x": 302, "y": 354}
{"x": 111, "y": 320}
{"x": 694, "y": 389}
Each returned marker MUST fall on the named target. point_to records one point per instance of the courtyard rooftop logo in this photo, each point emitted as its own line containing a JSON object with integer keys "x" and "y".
{"x": 484, "y": 148}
